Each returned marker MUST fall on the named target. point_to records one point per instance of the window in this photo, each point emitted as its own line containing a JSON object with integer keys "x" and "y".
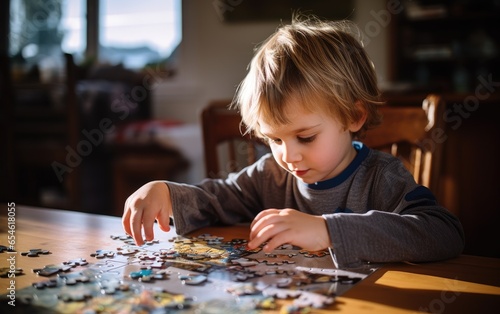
{"x": 134, "y": 33}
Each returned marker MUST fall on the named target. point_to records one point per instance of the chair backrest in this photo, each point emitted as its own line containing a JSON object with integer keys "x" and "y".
{"x": 413, "y": 133}
{"x": 409, "y": 131}
{"x": 226, "y": 148}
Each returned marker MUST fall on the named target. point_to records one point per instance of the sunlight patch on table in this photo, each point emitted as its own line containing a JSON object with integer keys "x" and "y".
{"x": 404, "y": 280}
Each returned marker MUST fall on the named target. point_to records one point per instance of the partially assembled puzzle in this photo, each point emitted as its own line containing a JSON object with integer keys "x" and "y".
{"x": 203, "y": 274}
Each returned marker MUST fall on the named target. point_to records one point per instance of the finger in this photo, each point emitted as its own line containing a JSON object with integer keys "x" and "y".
{"x": 126, "y": 223}
{"x": 136, "y": 222}
{"x": 267, "y": 232}
{"x": 147, "y": 224}
{"x": 163, "y": 221}
{"x": 263, "y": 214}
{"x": 277, "y": 240}
{"x": 126, "y": 219}
{"x": 263, "y": 222}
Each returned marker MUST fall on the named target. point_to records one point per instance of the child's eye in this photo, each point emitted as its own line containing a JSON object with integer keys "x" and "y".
{"x": 306, "y": 139}
{"x": 273, "y": 140}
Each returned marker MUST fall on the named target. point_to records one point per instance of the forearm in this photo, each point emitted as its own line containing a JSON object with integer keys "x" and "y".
{"x": 212, "y": 202}
{"x": 387, "y": 237}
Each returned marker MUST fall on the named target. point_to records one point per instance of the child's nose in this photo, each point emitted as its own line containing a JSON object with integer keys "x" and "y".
{"x": 291, "y": 154}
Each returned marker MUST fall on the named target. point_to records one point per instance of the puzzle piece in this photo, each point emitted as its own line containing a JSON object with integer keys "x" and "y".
{"x": 167, "y": 254}
{"x": 76, "y": 262}
{"x": 312, "y": 254}
{"x": 274, "y": 261}
{"x": 294, "y": 309}
{"x": 243, "y": 289}
{"x": 143, "y": 256}
{"x": 312, "y": 299}
{"x": 5, "y": 271}
{"x": 75, "y": 296}
{"x": 52, "y": 283}
{"x": 49, "y": 270}
{"x": 210, "y": 239}
{"x": 301, "y": 298}
{"x": 151, "y": 242}
{"x": 244, "y": 276}
{"x": 111, "y": 286}
{"x": 152, "y": 264}
{"x": 74, "y": 278}
{"x": 4, "y": 248}
{"x": 35, "y": 252}
{"x": 128, "y": 250}
{"x": 192, "y": 279}
{"x": 124, "y": 238}
{"x": 103, "y": 253}
{"x": 146, "y": 275}
{"x": 245, "y": 262}
{"x": 266, "y": 304}
{"x": 105, "y": 266}
{"x": 281, "y": 293}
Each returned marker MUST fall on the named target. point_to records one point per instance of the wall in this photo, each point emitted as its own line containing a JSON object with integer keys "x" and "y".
{"x": 214, "y": 55}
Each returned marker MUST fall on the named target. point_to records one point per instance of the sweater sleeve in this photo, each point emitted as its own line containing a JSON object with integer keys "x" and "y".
{"x": 215, "y": 201}
{"x": 403, "y": 223}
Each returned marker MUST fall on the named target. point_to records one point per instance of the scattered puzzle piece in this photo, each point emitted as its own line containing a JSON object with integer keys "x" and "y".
{"x": 103, "y": 253}
{"x": 312, "y": 299}
{"x": 127, "y": 250}
{"x": 112, "y": 286}
{"x": 281, "y": 293}
{"x": 35, "y": 252}
{"x": 77, "y": 296}
{"x": 192, "y": 279}
{"x": 312, "y": 254}
{"x": 266, "y": 304}
{"x": 52, "y": 283}
{"x": 301, "y": 298}
{"x": 49, "y": 270}
{"x": 270, "y": 261}
{"x": 4, "y": 248}
{"x": 5, "y": 271}
{"x": 146, "y": 275}
{"x": 74, "y": 278}
{"x": 76, "y": 262}
{"x": 124, "y": 237}
{"x": 245, "y": 262}
{"x": 243, "y": 289}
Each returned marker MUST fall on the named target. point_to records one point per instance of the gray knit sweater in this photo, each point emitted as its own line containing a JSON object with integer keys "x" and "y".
{"x": 374, "y": 210}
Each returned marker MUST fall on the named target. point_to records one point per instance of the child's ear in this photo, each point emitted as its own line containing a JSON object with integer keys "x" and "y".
{"x": 355, "y": 126}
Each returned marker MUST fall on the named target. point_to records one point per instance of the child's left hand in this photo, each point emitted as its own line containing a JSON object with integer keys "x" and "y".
{"x": 288, "y": 226}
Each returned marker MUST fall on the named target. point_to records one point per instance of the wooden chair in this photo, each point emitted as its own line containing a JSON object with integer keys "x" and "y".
{"x": 226, "y": 149}
{"x": 409, "y": 131}
{"x": 413, "y": 133}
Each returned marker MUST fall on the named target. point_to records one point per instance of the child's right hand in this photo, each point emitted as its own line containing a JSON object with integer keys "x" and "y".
{"x": 149, "y": 202}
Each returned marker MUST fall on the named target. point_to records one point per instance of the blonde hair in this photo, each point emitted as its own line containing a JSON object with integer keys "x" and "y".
{"x": 318, "y": 61}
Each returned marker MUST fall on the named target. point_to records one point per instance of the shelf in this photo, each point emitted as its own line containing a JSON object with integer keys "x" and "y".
{"x": 447, "y": 51}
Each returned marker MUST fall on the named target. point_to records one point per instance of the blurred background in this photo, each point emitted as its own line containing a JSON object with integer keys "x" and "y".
{"x": 101, "y": 96}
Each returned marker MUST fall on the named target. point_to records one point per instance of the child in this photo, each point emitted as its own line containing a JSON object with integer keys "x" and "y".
{"x": 310, "y": 91}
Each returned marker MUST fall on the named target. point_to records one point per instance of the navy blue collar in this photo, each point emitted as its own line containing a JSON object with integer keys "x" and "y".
{"x": 335, "y": 181}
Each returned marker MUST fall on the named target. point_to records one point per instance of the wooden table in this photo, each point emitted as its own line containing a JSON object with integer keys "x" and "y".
{"x": 467, "y": 284}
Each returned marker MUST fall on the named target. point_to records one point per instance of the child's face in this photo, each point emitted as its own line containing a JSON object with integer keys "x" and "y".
{"x": 313, "y": 146}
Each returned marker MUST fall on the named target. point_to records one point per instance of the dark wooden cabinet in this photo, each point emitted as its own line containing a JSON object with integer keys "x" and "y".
{"x": 43, "y": 121}
{"x": 445, "y": 45}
